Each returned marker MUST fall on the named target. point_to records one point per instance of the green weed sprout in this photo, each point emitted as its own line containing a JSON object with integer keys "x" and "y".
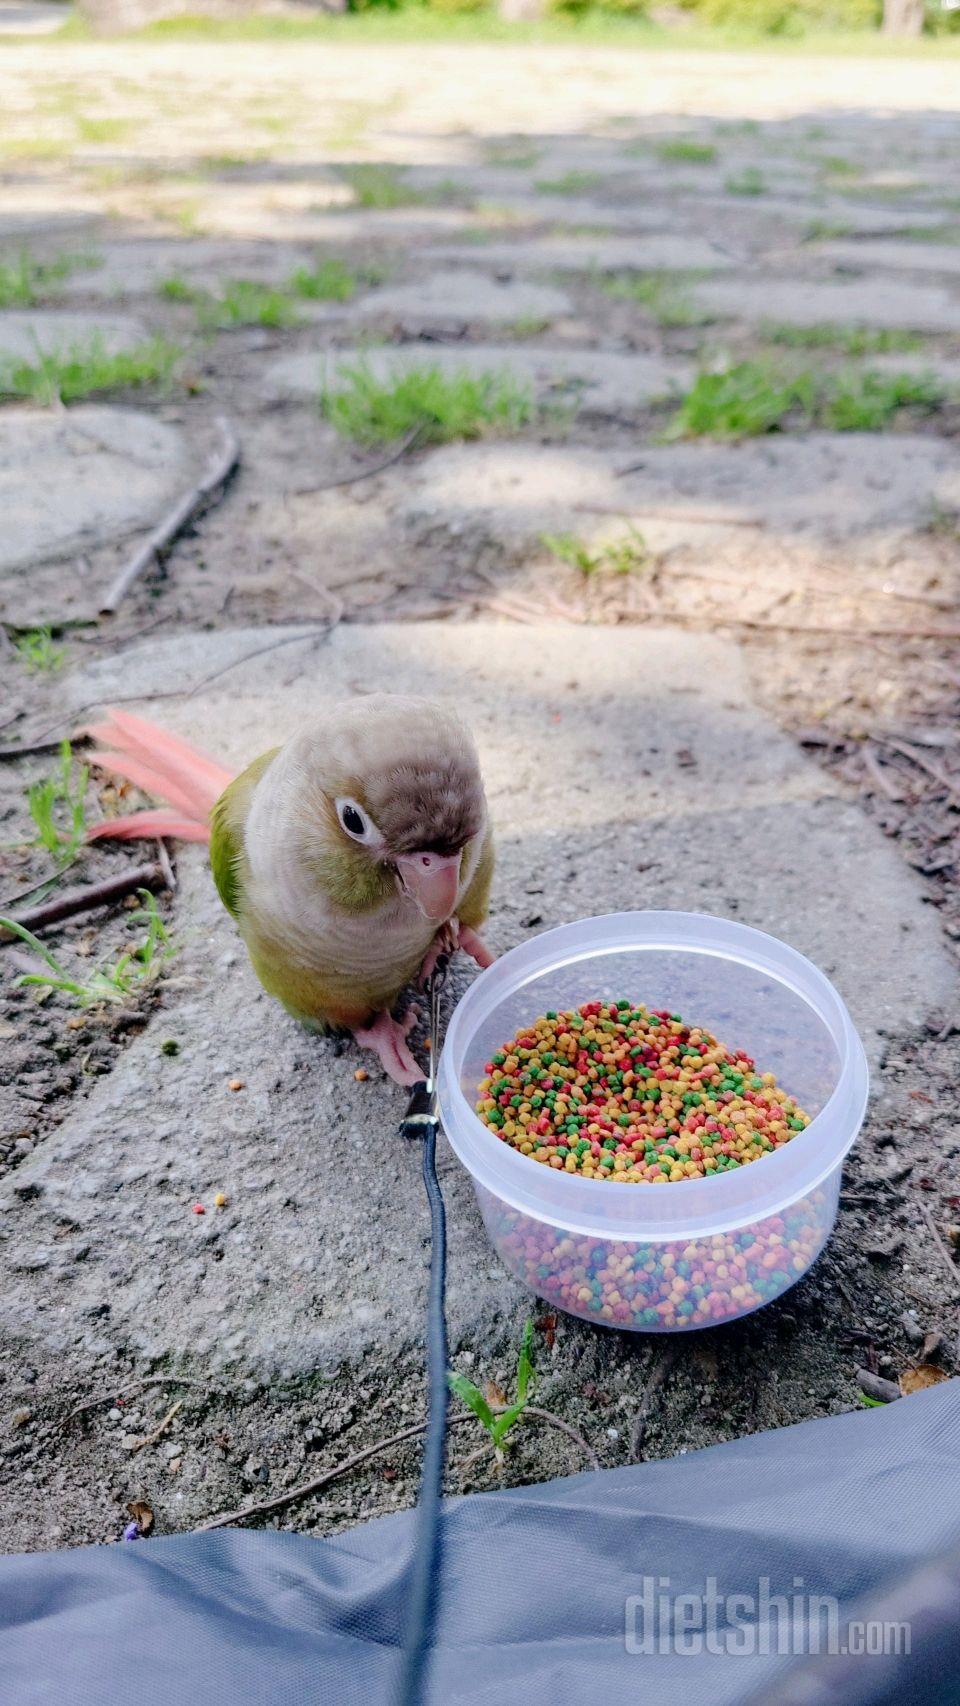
{"x": 56, "y": 806}
{"x": 135, "y": 969}
{"x": 36, "y": 649}
{"x": 498, "y": 1423}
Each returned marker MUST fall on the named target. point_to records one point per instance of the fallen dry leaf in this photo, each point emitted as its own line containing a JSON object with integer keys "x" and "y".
{"x": 547, "y": 1325}
{"x": 493, "y": 1393}
{"x": 915, "y": 1379}
{"x": 142, "y": 1515}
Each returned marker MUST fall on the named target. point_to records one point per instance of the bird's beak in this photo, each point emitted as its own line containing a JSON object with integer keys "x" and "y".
{"x": 432, "y": 881}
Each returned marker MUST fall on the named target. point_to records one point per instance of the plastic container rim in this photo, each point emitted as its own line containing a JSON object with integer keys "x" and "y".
{"x": 687, "y": 1208}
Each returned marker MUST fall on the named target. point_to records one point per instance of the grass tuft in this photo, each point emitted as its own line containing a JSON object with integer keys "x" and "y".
{"x": 851, "y": 340}
{"x": 25, "y": 281}
{"x": 865, "y": 402}
{"x": 56, "y": 805}
{"x": 443, "y": 405}
{"x": 622, "y": 557}
{"x": 755, "y": 397}
{"x": 693, "y": 153}
{"x": 662, "y": 294}
{"x": 326, "y": 281}
{"x": 378, "y": 186}
{"x": 818, "y": 230}
{"x": 135, "y": 969}
{"x": 571, "y": 183}
{"x": 750, "y": 181}
{"x": 102, "y": 129}
{"x": 82, "y": 369}
{"x": 515, "y": 157}
{"x": 243, "y": 302}
{"x": 37, "y": 650}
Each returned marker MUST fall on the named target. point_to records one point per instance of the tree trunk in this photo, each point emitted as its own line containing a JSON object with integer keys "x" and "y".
{"x": 903, "y": 17}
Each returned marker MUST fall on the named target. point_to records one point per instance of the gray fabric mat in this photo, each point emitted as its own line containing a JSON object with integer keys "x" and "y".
{"x": 535, "y": 1586}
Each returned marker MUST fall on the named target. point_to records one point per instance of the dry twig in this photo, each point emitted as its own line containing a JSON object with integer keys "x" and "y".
{"x": 160, "y": 1429}
{"x": 212, "y": 484}
{"x": 265, "y": 1507}
{"x": 878, "y": 775}
{"x": 134, "y": 1386}
{"x": 163, "y": 860}
{"x": 874, "y": 1385}
{"x": 941, "y": 1247}
{"x": 72, "y": 901}
{"x": 951, "y": 783}
{"x": 42, "y": 744}
{"x": 397, "y": 455}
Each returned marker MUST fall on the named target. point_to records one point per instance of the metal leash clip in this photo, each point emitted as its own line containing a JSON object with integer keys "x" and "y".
{"x": 422, "y": 1106}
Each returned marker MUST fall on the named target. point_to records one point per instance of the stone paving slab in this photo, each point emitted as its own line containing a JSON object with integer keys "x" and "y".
{"x": 881, "y": 220}
{"x": 319, "y": 1254}
{"x": 72, "y": 480}
{"x": 141, "y": 266}
{"x": 464, "y": 297}
{"x": 656, "y": 253}
{"x": 342, "y": 224}
{"x": 584, "y": 211}
{"x": 37, "y": 221}
{"x": 811, "y": 302}
{"x": 598, "y": 381}
{"x": 894, "y": 255}
{"x": 823, "y": 486}
{"x": 49, "y": 331}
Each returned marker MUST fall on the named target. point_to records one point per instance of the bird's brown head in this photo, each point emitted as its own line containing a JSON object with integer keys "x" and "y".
{"x": 403, "y": 792}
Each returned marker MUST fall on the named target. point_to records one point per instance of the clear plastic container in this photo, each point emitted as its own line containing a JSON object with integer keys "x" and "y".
{"x": 691, "y": 1253}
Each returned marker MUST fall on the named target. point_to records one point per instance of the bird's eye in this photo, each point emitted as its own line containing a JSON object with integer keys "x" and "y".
{"x": 355, "y": 821}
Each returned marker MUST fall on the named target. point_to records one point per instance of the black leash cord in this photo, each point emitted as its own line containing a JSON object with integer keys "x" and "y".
{"x": 426, "y": 1562}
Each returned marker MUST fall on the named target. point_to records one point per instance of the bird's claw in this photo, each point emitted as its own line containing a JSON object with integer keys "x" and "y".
{"x": 449, "y": 938}
{"x": 387, "y": 1037}
{"x": 444, "y": 943}
{"x": 472, "y": 944}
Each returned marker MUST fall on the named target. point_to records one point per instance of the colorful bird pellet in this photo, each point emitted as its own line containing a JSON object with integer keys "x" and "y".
{"x": 615, "y": 1091}
{"x": 661, "y": 1286}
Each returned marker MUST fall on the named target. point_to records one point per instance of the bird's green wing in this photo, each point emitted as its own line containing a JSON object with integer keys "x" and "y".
{"x": 472, "y": 910}
{"x": 227, "y": 820}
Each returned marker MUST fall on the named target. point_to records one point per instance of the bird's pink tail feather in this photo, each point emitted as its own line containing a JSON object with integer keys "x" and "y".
{"x": 160, "y": 764}
{"x": 149, "y": 826}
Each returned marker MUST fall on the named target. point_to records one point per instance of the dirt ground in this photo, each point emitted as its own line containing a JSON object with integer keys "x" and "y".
{"x": 832, "y": 559}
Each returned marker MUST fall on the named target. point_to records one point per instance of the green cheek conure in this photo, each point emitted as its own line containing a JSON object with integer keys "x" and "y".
{"x": 350, "y": 857}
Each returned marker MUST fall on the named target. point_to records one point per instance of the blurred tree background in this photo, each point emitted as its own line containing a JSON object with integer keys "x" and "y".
{"x": 748, "y": 18}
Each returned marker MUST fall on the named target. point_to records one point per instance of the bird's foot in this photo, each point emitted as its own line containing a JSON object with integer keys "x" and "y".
{"x": 444, "y": 943}
{"x": 449, "y": 938}
{"x": 471, "y": 944}
{"x": 387, "y": 1037}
